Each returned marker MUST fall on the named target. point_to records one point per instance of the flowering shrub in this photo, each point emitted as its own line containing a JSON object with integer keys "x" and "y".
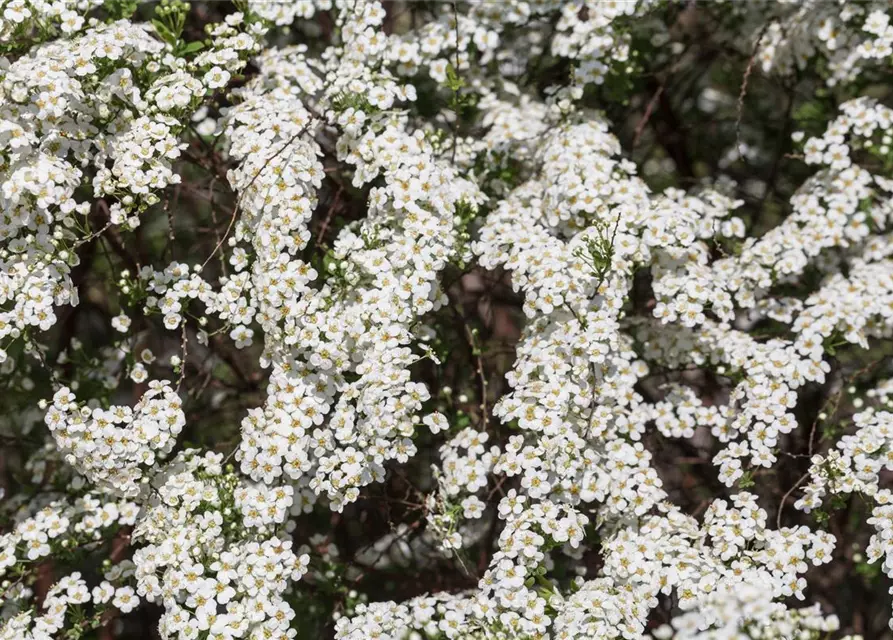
{"x": 365, "y": 319}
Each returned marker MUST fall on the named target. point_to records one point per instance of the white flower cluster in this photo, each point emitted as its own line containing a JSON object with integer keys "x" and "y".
{"x": 855, "y": 466}
{"x": 835, "y": 208}
{"x": 734, "y": 553}
{"x": 384, "y": 276}
{"x": 211, "y": 555}
{"x": 69, "y": 591}
{"x": 61, "y": 524}
{"x": 285, "y": 12}
{"x": 30, "y": 20}
{"x": 58, "y": 527}
{"x": 465, "y": 462}
{"x": 50, "y": 100}
{"x": 747, "y": 610}
{"x": 642, "y": 315}
{"x": 111, "y": 446}
{"x": 681, "y": 411}
{"x": 114, "y": 98}
{"x": 847, "y": 34}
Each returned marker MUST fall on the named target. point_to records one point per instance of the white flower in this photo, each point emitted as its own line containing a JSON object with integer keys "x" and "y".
{"x": 121, "y": 323}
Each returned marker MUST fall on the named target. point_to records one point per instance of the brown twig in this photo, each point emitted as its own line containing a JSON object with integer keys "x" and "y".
{"x": 329, "y": 215}
{"x": 647, "y": 115}
{"x": 233, "y": 215}
{"x": 785, "y": 499}
{"x": 743, "y": 93}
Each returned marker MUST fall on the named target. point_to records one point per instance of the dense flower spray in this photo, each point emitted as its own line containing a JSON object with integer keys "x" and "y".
{"x": 237, "y": 246}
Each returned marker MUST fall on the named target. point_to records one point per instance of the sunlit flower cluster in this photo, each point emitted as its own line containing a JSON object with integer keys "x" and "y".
{"x": 369, "y": 169}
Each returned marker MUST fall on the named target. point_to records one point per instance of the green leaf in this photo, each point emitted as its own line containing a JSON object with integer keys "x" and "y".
{"x": 162, "y": 30}
{"x": 118, "y": 9}
{"x": 192, "y": 47}
{"x": 454, "y": 81}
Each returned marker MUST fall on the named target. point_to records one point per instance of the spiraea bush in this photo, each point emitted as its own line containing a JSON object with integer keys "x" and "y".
{"x": 405, "y": 320}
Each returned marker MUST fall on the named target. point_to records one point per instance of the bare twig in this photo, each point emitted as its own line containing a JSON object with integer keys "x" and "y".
{"x": 329, "y": 215}
{"x": 647, "y": 115}
{"x": 232, "y": 220}
{"x": 785, "y": 498}
{"x": 743, "y": 93}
